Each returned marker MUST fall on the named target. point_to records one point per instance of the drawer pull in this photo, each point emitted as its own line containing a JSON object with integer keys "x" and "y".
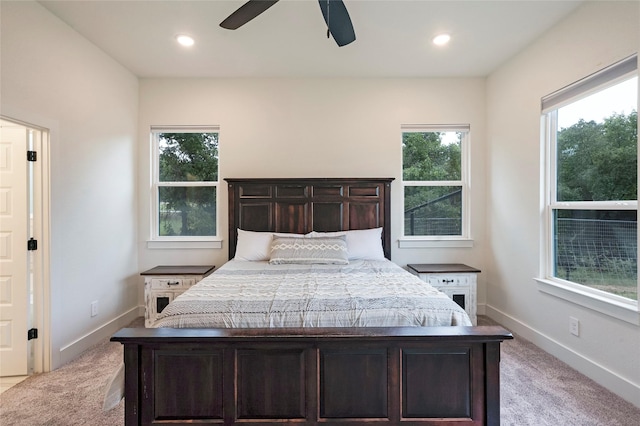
{"x": 447, "y": 281}
{"x": 174, "y": 283}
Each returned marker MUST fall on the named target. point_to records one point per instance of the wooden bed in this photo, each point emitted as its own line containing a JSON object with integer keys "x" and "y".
{"x": 408, "y": 375}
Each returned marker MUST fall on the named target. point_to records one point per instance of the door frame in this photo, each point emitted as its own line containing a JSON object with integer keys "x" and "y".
{"x": 40, "y": 355}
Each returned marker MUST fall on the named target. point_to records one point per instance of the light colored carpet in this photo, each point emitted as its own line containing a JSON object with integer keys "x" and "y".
{"x": 536, "y": 390}
{"x": 71, "y": 395}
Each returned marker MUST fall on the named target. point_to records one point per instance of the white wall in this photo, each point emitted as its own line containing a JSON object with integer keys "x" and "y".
{"x": 54, "y": 78}
{"x": 608, "y": 349}
{"x": 314, "y": 128}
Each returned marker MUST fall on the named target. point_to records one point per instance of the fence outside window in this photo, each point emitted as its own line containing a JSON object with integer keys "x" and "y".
{"x": 598, "y": 253}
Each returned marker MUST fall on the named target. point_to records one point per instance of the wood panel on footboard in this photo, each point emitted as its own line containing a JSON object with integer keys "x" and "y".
{"x": 408, "y": 375}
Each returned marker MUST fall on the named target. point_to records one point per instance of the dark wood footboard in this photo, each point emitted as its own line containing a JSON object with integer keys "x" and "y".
{"x": 413, "y": 375}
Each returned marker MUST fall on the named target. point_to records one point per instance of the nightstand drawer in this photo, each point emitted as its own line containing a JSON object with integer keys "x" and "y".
{"x": 167, "y": 283}
{"x": 446, "y": 280}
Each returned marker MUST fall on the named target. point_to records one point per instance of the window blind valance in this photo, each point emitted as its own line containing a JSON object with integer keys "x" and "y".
{"x": 607, "y": 76}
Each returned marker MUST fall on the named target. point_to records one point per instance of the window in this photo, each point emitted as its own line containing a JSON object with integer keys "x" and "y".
{"x": 592, "y": 183}
{"x": 185, "y": 182}
{"x": 435, "y": 181}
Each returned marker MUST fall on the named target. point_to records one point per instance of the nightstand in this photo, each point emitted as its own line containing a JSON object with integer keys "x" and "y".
{"x": 162, "y": 284}
{"x": 456, "y": 280}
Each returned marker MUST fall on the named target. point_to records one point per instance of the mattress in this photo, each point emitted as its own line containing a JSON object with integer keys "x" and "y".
{"x": 364, "y": 293}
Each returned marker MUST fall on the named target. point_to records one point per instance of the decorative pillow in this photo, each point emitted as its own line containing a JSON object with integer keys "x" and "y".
{"x": 361, "y": 243}
{"x": 309, "y": 250}
{"x": 255, "y": 246}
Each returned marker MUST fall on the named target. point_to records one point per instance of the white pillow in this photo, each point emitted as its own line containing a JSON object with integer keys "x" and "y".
{"x": 361, "y": 243}
{"x": 285, "y": 235}
{"x": 254, "y": 246}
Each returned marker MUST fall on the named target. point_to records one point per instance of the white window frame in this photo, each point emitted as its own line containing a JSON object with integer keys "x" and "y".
{"x": 604, "y": 302}
{"x": 464, "y": 239}
{"x": 178, "y": 242}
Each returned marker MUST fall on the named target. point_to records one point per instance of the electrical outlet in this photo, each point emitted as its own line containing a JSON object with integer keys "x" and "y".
{"x": 574, "y": 326}
{"x": 94, "y": 308}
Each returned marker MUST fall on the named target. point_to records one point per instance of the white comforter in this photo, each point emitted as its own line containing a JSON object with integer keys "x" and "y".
{"x": 361, "y": 294}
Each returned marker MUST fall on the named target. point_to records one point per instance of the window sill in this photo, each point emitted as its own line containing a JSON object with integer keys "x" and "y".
{"x": 624, "y": 311}
{"x": 184, "y": 244}
{"x": 434, "y": 243}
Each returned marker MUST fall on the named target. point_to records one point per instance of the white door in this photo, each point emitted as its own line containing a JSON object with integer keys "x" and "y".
{"x": 14, "y": 289}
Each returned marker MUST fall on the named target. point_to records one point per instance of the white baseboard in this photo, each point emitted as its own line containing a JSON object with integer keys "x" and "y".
{"x": 74, "y": 349}
{"x": 598, "y": 373}
{"x": 481, "y": 309}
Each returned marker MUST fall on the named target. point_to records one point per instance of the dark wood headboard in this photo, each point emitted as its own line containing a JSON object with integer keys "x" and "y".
{"x": 309, "y": 204}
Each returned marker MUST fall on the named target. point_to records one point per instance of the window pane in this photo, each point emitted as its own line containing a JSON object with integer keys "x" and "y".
{"x": 431, "y": 156}
{"x": 188, "y": 157}
{"x": 186, "y": 211}
{"x": 597, "y": 248}
{"x": 433, "y": 210}
{"x": 597, "y": 144}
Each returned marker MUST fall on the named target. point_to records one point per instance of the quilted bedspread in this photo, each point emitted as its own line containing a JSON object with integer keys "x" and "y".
{"x": 364, "y": 293}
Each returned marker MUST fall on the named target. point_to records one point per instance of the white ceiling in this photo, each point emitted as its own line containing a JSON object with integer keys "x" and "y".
{"x": 289, "y": 39}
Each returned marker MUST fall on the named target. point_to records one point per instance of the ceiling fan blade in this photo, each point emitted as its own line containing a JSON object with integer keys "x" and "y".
{"x": 246, "y": 12}
{"x": 338, "y": 21}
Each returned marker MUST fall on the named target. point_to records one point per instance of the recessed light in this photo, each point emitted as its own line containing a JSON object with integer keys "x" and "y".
{"x": 441, "y": 39}
{"x": 185, "y": 40}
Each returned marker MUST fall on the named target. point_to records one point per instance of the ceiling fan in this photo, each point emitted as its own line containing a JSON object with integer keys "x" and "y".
{"x": 334, "y": 12}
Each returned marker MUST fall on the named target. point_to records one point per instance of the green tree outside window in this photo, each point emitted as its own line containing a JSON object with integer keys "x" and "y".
{"x": 187, "y": 175}
{"x": 432, "y": 208}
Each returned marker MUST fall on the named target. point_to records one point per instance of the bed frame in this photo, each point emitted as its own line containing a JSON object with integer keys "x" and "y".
{"x": 311, "y": 376}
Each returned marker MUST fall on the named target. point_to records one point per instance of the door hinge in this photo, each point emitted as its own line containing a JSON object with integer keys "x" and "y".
{"x": 32, "y": 334}
{"x": 32, "y": 155}
{"x": 32, "y": 244}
